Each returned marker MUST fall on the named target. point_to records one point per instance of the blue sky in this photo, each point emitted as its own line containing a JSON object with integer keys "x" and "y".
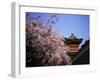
{"x": 68, "y": 23}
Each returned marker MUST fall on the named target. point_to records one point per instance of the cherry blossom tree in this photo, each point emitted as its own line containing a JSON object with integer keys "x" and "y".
{"x": 44, "y": 46}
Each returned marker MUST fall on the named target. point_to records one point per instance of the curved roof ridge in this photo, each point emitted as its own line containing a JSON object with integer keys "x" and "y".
{"x": 72, "y": 36}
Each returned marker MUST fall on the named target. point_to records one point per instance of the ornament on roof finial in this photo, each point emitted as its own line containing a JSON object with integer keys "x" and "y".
{"x": 72, "y": 36}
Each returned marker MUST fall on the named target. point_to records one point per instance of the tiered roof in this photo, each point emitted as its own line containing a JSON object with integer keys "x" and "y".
{"x": 73, "y": 40}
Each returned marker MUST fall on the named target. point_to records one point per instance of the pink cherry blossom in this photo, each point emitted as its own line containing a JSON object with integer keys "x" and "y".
{"x": 45, "y": 46}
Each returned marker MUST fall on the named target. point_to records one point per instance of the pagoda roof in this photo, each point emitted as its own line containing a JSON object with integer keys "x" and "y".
{"x": 73, "y": 40}
{"x": 72, "y": 36}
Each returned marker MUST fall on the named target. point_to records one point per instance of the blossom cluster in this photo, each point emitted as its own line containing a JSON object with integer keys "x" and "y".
{"x": 44, "y": 47}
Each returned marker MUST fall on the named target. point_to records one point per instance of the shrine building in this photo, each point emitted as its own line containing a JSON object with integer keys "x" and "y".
{"x": 73, "y": 43}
